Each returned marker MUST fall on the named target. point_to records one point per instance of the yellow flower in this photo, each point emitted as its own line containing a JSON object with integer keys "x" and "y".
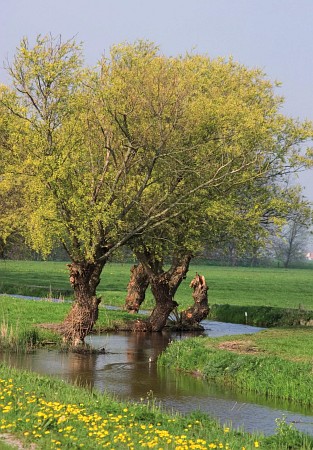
{"x": 256, "y": 444}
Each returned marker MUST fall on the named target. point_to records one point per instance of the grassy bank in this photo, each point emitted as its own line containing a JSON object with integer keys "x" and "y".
{"x": 30, "y": 409}
{"x": 19, "y": 320}
{"x": 279, "y": 288}
{"x": 275, "y": 363}
{"x": 268, "y": 363}
{"x": 262, "y": 316}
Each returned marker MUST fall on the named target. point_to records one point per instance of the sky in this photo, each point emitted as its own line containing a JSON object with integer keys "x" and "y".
{"x": 274, "y": 35}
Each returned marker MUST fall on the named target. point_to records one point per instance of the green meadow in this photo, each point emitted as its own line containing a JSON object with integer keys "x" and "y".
{"x": 242, "y": 286}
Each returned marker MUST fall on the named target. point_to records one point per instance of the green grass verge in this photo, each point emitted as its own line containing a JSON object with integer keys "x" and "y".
{"x": 261, "y": 316}
{"x": 19, "y": 320}
{"x": 275, "y": 363}
{"x": 5, "y": 446}
{"x": 242, "y": 286}
{"x": 30, "y": 409}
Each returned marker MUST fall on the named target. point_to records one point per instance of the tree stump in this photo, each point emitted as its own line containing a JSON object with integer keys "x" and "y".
{"x": 192, "y": 316}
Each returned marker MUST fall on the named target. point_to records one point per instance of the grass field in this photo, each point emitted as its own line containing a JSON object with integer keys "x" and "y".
{"x": 283, "y": 288}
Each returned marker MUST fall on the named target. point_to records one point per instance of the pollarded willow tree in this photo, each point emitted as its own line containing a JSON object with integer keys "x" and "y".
{"x": 242, "y": 219}
{"x": 164, "y": 256}
{"x": 108, "y": 153}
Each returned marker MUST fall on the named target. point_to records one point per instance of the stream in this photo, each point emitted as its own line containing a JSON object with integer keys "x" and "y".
{"x": 128, "y": 370}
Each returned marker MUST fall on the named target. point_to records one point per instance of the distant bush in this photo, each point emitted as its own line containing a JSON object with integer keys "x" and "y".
{"x": 262, "y": 316}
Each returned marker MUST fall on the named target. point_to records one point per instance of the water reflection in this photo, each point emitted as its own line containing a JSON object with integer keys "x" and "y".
{"x": 129, "y": 370}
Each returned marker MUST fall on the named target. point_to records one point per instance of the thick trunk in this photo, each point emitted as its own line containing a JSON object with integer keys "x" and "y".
{"x": 84, "y": 278}
{"x": 178, "y": 271}
{"x": 165, "y": 304}
{"x": 199, "y": 311}
{"x": 136, "y": 289}
{"x": 164, "y": 285}
{"x": 164, "y": 288}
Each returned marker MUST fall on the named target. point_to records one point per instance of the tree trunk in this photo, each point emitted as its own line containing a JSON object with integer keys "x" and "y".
{"x": 136, "y": 288}
{"x": 84, "y": 278}
{"x": 165, "y": 304}
{"x": 192, "y": 316}
{"x": 164, "y": 287}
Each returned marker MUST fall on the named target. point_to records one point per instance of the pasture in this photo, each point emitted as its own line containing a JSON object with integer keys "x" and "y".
{"x": 241, "y": 286}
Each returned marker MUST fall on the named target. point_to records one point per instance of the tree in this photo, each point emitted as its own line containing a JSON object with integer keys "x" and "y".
{"x": 243, "y": 219}
{"x": 240, "y": 226}
{"x": 164, "y": 257}
{"x": 111, "y": 153}
{"x": 290, "y": 241}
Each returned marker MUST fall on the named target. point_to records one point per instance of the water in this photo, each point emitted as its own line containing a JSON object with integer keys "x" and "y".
{"x": 129, "y": 370}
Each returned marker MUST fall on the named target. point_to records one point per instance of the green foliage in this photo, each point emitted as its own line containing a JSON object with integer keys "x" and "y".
{"x": 246, "y": 224}
{"x": 113, "y": 152}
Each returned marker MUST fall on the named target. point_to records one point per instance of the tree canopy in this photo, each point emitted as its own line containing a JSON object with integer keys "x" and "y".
{"x": 107, "y": 154}
{"x": 110, "y": 151}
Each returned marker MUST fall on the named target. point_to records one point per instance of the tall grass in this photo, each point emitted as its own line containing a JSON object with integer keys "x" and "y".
{"x": 17, "y": 339}
{"x": 267, "y": 364}
{"x": 261, "y": 316}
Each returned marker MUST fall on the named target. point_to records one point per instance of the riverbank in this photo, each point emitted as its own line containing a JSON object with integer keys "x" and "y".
{"x": 32, "y": 411}
{"x": 21, "y": 320}
{"x": 275, "y": 363}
